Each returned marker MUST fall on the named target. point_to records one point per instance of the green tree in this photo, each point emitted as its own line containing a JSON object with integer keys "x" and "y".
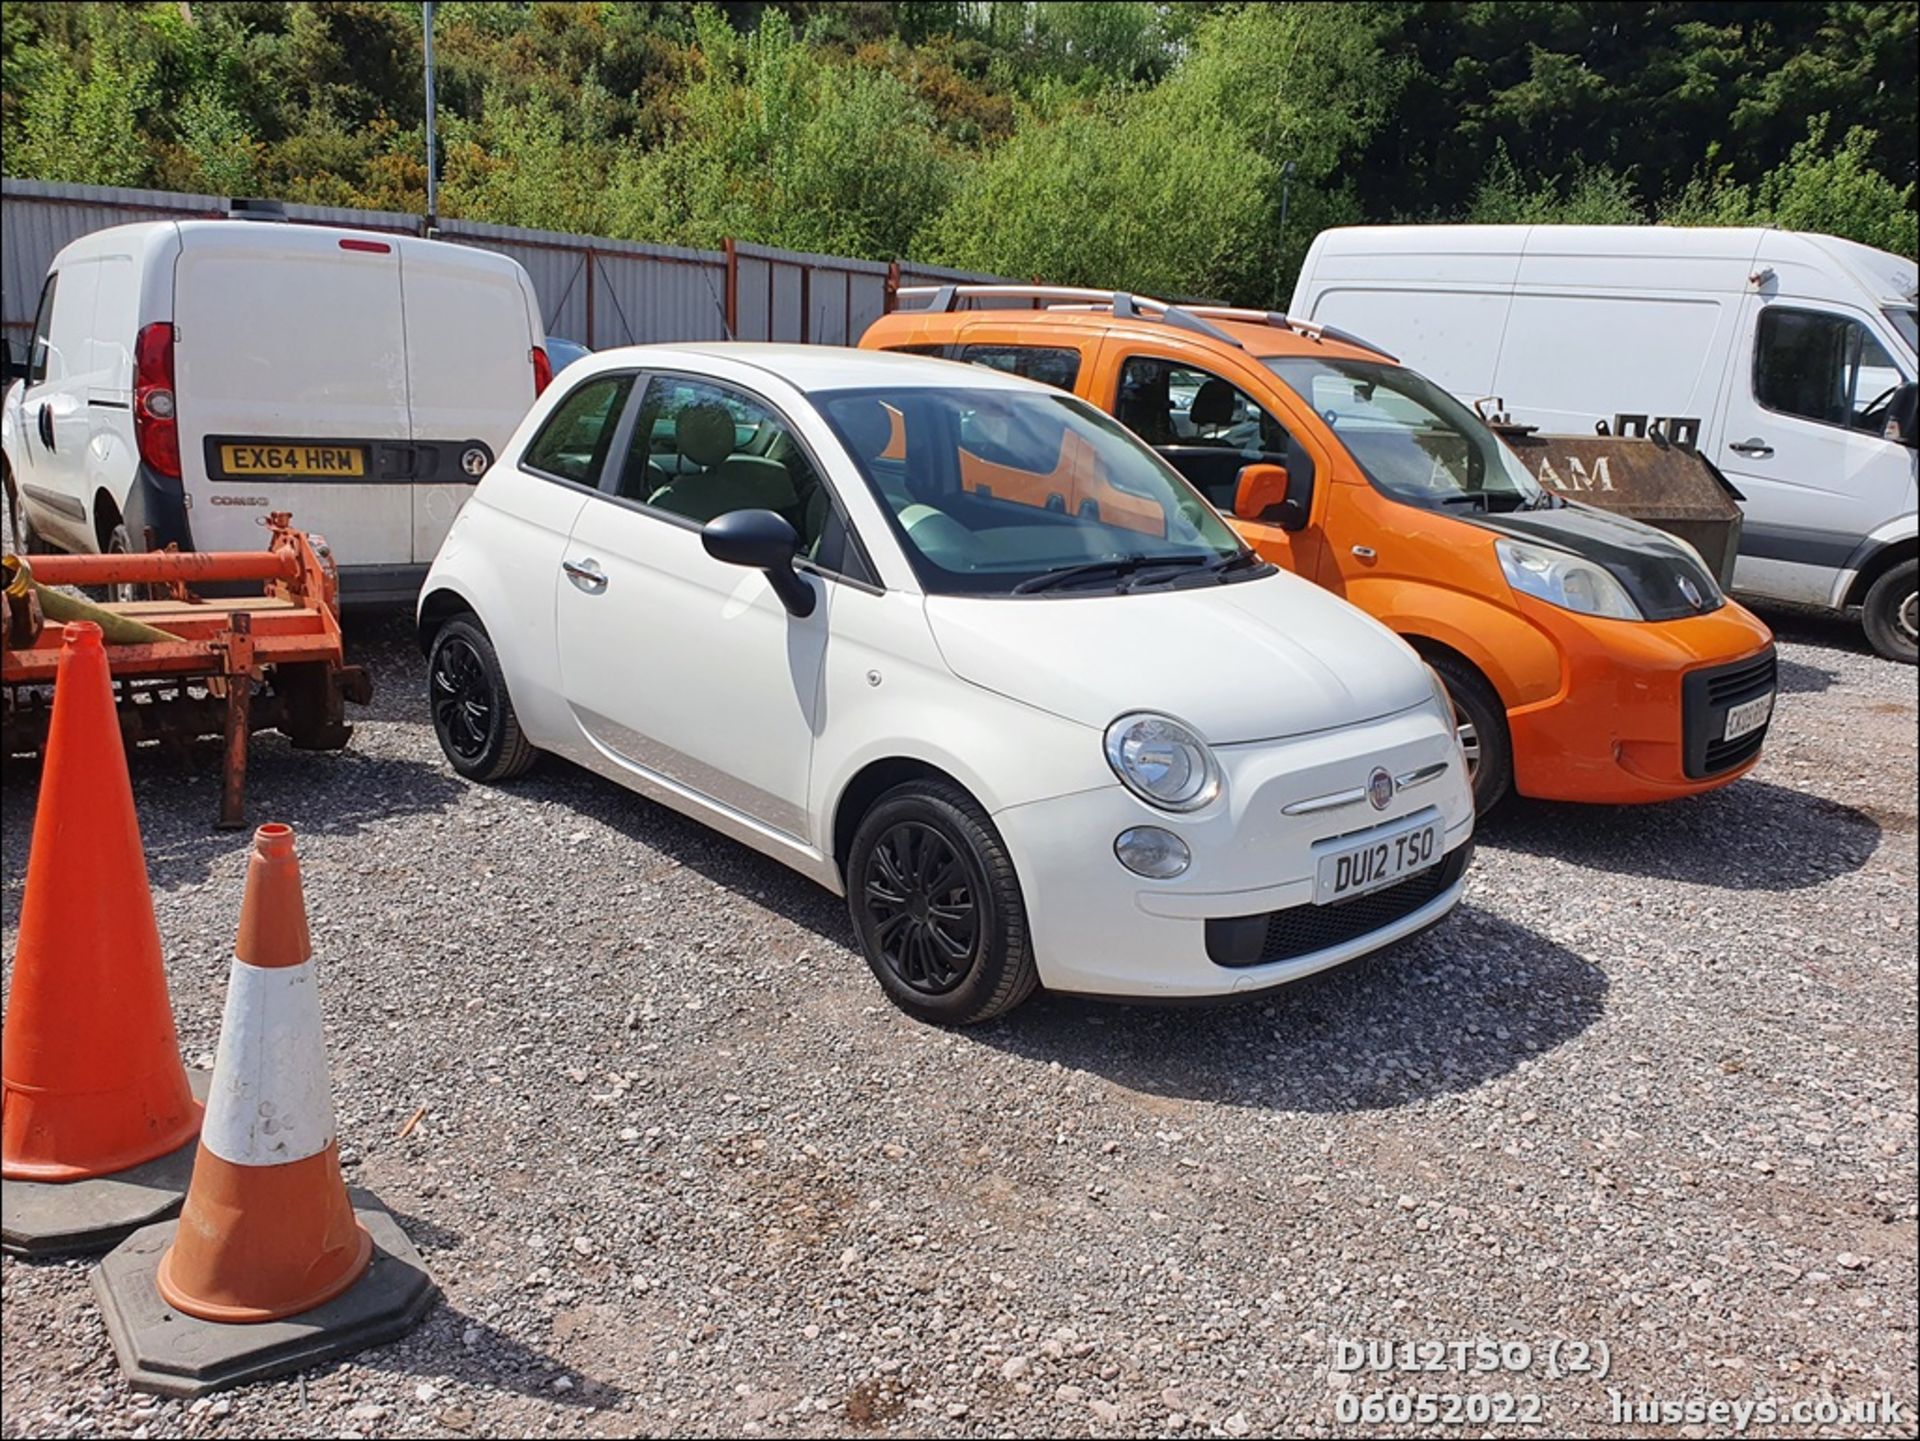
{"x": 776, "y": 144}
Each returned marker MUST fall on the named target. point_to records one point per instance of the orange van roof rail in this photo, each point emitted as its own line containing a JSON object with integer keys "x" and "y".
{"x": 1128, "y": 306}
{"x": 1124, "y": 304}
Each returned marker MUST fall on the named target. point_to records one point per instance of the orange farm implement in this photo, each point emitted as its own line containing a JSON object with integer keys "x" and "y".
{"x": 187, "y": 667}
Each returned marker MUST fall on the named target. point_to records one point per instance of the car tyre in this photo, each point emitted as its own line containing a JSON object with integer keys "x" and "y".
{"x": 1481, "y": 722}
{"x": 472, "y": 712}
{"x": 1891, "y": 613}
{"x": 937, "y": 906}
{"x": 120, "y": 542}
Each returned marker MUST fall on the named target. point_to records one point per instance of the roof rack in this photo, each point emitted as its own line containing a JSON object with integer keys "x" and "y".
{"x": 1124, "y": 304}
{"x": 1311, "y": 329}
{"x": 1128, "y": 306}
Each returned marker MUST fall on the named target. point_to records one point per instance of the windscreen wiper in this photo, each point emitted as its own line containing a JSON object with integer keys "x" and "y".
{"x": 1170, "y": 567}
{"x": 1114, "y": 565}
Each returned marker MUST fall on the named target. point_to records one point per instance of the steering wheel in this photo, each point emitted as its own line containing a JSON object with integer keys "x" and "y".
{"x": 1863, "y": 418}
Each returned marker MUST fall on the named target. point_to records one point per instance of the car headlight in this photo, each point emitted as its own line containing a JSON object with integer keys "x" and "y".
{"x": 1162, "y": 761}
{"x": 1561, "y": 578}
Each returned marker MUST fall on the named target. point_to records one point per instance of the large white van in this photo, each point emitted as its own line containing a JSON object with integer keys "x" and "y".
{"x": 185, "y": 378}
{"x": 1788, "y": 359}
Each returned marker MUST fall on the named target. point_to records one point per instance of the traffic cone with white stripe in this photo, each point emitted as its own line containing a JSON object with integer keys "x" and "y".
{"x": 273, "y": 1264}
{"x": 99, "y": 1115}
{"x": 267, "y": 1229}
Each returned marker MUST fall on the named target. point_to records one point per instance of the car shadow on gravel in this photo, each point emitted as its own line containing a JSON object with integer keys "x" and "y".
{"x": 1749, "y": 836}
{"x": 1444, "y": 1013}
{"x": 1810, "y": 626}
{"x": 1799, "y": 679}
{"x": 317, "y": 793}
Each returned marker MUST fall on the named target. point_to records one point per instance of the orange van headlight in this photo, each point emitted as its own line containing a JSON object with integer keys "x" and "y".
{"x": 1559, "y": 577}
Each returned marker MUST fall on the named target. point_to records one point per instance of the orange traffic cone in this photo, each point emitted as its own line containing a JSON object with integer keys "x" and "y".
{"x": 92, "y": 1078}
{"x": 267, "y": 1230}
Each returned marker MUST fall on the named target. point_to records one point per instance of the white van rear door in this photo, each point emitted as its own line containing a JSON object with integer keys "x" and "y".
{"x": 290, "y": 368}
{"x": 471, "y": 327}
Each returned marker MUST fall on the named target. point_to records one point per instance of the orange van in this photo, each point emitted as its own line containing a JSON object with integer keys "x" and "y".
{"x": 1590, "y": 657}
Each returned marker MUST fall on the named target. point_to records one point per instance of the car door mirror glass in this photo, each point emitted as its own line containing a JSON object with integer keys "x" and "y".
{"x": 14, "y": 365}
{"x": 762, "y": 541}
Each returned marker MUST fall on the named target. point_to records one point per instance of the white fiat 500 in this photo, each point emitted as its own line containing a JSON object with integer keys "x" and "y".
{"x": 960, "y": 647}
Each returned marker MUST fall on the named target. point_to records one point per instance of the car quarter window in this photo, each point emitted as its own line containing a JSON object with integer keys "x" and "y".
{"x": 573, "y": 444}
{"x": 700, "y": 450}
{"x": 42, "y": 338}
{"x": 1822, "y": 367}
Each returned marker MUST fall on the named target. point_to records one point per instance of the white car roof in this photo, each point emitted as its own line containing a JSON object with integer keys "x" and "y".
{"x": 810, "y": 368}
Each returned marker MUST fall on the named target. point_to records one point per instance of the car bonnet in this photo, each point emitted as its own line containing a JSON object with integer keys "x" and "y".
{"x": 1254, "y": 660}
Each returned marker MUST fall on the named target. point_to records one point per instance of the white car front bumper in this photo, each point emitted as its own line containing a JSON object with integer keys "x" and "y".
{"x": 1098, "y": 928}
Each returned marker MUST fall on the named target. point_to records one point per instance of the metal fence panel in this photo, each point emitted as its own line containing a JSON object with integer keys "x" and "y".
{"x": 592, "y": 289}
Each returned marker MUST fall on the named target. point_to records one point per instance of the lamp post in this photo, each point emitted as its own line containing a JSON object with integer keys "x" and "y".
{"x": 433, "y": 187}
{"x": 1286, "y": 186}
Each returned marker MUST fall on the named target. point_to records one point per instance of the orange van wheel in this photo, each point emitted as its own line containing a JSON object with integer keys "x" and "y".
{"x": 1481, "y": 722}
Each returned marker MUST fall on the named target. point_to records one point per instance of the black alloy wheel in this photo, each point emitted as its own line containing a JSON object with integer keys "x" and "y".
{"x": 937, "y": 906}
{"x": 923, "y": 903}
{"x": 462, "y": 699}
{"x": 472, "y": 713}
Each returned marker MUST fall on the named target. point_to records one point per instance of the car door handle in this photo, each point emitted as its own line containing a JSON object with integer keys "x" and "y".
{"x": 1755, "y": 447}
{"x": 586, "y": 574}
{"x": 46, "y": 425}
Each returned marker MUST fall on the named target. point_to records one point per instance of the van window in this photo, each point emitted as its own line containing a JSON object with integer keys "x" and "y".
{"x": 42, "y": 332}
{"x": 1414, "y": 441}
{"x": 1206, "y": 426}
{"x": 573, "y": 444}
{"x": 1058, "y": 366}
{"x": 1822, "y": 367}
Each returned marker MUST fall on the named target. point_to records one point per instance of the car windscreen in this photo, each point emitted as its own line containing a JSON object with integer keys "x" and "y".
{"x": 1002, "y": 492}
{"x": 1413, "y": 440}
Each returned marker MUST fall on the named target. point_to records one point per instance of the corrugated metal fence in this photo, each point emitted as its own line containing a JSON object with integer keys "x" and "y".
{"x": 592, "y": 289}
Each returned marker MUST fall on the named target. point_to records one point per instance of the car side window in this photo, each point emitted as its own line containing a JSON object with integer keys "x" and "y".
{"x": 573, "y": 444}
{"x": 42, "y": 333}
{"x": 1822, "y": 367}
{"x": 1058, "y": 366}
{"x": 1205, "y": 426}
{"x": 700, "y": 450}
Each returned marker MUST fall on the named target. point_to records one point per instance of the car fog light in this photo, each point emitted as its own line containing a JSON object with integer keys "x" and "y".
{"x": 1149, "y": 851}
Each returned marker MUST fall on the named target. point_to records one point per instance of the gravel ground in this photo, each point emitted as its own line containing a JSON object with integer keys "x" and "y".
{"x": 681, "y": 1169}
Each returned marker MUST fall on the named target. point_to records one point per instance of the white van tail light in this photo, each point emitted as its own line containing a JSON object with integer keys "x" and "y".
{"x": 155, "y": 425}
{"x": 542, "y": 370}
{"x": 367, "y": 247}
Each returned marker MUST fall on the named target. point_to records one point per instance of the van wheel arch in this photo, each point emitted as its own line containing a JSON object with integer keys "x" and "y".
{"x": 106, "y": 519}
{"x": 1492, "y": 763}
{"x": 1877, "y": 565}
{"x": 868, "y": 785}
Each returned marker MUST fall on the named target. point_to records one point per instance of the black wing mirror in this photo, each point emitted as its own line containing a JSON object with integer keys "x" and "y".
{"x": 1902, "y": 423}
{"x": 763, "y": 541}
{"x": 14, "y": 367}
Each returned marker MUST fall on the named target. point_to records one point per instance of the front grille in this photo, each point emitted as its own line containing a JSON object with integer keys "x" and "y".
{"x": 1707, "y": 696}
{"x": 1302, "y": 930}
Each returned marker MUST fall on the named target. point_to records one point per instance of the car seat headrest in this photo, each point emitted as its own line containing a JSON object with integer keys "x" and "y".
{"x": 704, "y": 434}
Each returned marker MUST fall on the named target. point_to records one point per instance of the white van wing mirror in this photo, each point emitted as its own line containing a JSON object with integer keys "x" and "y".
{"x": 14, "y": 367}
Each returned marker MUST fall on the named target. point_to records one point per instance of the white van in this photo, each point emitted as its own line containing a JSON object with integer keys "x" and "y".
{"x": 187, "y": 377}
{"x": 1788, "y": 359}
